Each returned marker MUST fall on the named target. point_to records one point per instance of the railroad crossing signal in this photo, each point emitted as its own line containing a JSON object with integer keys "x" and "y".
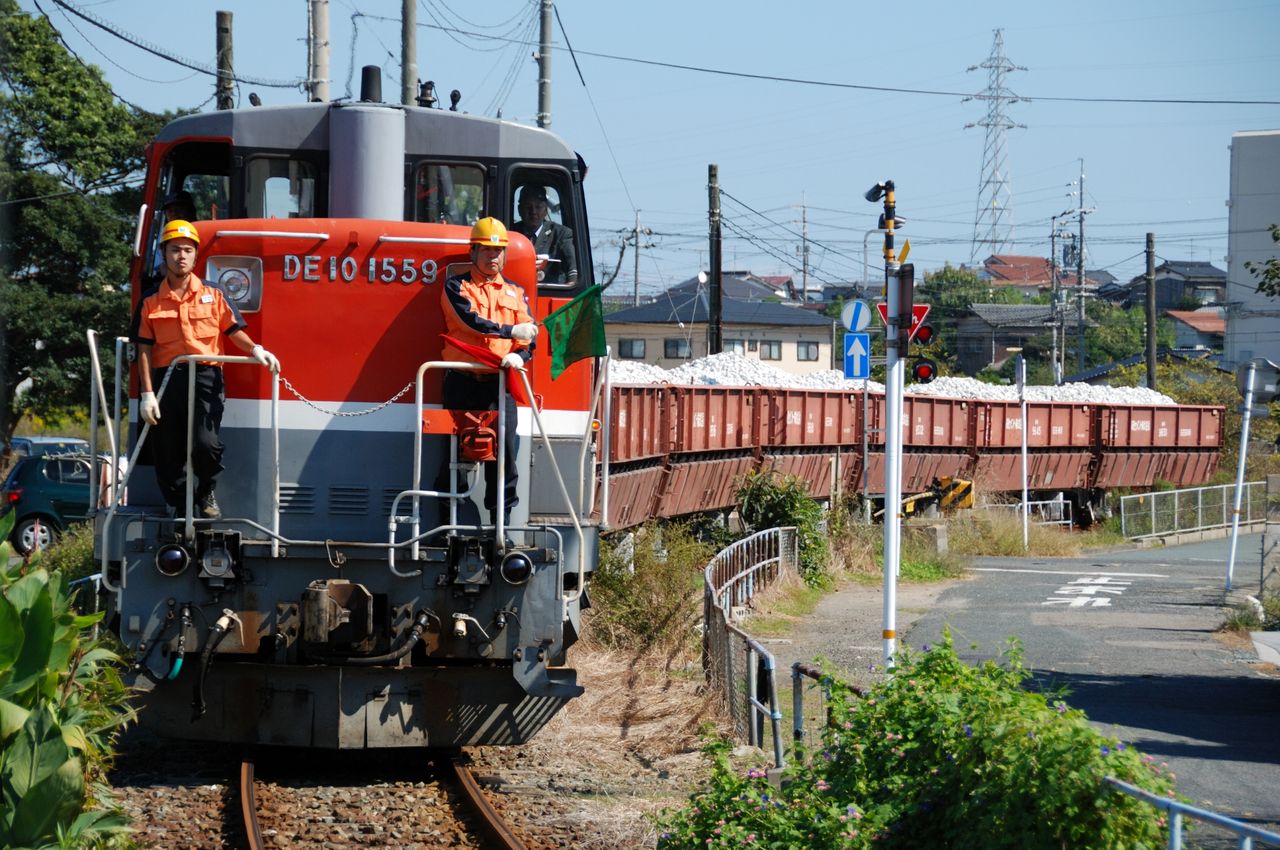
{"x": 857, "y": 355}
{"x": 918, "y": 312}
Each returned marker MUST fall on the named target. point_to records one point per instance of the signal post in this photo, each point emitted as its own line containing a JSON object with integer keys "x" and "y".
{"x": 894, "y": 376}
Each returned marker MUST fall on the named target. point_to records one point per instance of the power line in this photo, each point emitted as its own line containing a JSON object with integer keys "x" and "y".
{"x": 156, "y": 50}
{"x": 892, "y": 89}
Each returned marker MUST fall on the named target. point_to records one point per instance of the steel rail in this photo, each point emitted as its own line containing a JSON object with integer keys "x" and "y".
{"x": 494, "y": 823}
{"x": 249, "y": 806}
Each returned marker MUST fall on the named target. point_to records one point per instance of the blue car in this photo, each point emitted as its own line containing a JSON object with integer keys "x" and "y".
{"x": 47, "y": 493}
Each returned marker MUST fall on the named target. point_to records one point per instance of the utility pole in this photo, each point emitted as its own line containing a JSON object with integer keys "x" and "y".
{"x": 1080, "y": 279}
{"x": 226, "y": 65}
{"x": 636, "y": 232}
{"x": 1151, "y": 311}
{"x": 318, "y": 52}
{"x": 1053, "y": 296}
{"x": 408, "y": 51}
{"x": 715, "y": 339}
{"x": 544, "y": 67}
{"x": 804, "y": 253}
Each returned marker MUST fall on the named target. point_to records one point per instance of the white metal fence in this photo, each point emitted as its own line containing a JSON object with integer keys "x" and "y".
{"x": 734, "y": 662}
{"x": 1194, "y": 509}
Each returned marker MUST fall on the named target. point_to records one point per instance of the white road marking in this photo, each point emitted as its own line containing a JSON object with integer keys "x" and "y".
{"x": 1067, "y": 572}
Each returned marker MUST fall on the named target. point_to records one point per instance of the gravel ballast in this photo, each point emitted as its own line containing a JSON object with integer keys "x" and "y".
{"x": 734, "y": 370}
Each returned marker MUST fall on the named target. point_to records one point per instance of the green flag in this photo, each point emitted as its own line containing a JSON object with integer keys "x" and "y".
{"x": 576, "y": 331}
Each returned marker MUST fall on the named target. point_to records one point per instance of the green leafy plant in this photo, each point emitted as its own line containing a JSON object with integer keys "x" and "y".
{"x": 61, "y": 702}
{"x": 771, "y": 501}
{"x": 647, "y": 591}
{"x": 943, "y": 754}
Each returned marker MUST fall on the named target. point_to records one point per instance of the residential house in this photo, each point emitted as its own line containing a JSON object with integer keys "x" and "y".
{"x": 1028, "y": 275}
{"x": 742, "y": 285}
{"x": 1199, "y": 329}
{"x": 673, "y": 330}
{"x": 988, "y": 334}
{"x": 1180, "y": 283}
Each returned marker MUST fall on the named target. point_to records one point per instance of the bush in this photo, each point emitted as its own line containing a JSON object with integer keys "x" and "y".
{"x": 647, "y": 591}
{"x": 772, "y": 501}
{"x": 941, "y": 755}
{"x": 1255, "y": 615}
{"x": 61, "y": 703}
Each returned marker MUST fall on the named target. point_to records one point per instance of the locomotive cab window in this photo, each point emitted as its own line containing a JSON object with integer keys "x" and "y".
{"x": 276, "y": 187}
{"x": 447, "y": 193}
{"x": 542, "y": 210}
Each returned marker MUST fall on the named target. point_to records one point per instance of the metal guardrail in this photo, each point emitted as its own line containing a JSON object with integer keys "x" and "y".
{"x": 1047, "y": 512}
{"x": 1193, "y": 509}
{"x": 735, "y": 663}
{"x": 1243, "y": 831}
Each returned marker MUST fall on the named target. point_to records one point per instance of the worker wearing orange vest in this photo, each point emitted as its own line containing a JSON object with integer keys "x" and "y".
{"x": 184, "y": 316}
{"x": 486, "y": 310}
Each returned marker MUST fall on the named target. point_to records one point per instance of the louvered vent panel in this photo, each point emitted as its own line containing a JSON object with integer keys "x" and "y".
{"x": 295, "y": 499}
{"x": 349, "y": 501}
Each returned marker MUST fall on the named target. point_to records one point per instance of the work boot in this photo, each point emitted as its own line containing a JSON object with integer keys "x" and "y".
{"x": 208, "y": 507}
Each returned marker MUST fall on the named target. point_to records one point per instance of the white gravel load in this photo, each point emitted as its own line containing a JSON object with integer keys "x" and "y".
{"x": 734, "y": 370}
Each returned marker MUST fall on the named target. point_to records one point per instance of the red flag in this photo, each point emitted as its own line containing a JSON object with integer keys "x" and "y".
{"x": 486, "y": 357}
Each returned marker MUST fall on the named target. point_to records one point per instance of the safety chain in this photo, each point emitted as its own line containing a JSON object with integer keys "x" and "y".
{"x": 309, "y": 403}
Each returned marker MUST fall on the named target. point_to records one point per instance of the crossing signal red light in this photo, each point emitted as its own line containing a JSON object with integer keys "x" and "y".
{"x": 924, "y": 370}
{"x": 924, "y": 334}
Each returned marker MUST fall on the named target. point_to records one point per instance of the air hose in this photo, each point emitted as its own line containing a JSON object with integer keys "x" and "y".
{"x": 184, "y": 623}
{"x": 217, "y": 632}
{"x": 420, "y": 623}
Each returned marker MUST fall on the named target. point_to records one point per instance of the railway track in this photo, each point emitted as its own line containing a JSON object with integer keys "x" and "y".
{"x": 496, "y": 832}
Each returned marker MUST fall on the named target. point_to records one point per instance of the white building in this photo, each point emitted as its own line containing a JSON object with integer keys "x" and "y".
{"x": 1253, "y": 319}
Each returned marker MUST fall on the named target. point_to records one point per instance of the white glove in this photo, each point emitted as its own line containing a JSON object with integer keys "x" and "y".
{"x": 266, "y": 358}
{"x": 149, "y": 408}
{"x": 524, "y": 332}
{"x": 513, "y": 361}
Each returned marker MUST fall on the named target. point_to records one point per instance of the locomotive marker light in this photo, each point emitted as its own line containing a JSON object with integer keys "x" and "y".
{"x": 172, "y": 559}
{"x": 1256, "y": 381}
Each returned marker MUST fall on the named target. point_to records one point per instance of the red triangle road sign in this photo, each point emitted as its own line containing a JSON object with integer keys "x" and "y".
{"x": 918, "y": 312}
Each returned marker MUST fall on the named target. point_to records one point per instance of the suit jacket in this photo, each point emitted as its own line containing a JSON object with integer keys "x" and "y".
{"x": 556, "y": 241}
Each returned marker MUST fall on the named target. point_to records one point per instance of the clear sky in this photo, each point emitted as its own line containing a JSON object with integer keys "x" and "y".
{"x": 793, "y": 149}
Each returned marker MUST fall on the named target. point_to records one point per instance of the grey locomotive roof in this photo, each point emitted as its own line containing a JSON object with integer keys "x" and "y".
{"x": 305, "y": 126}
{"x": 693, "y": 309}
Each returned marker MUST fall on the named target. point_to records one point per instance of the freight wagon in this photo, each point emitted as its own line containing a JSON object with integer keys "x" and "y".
{"x": 674, "y": 450}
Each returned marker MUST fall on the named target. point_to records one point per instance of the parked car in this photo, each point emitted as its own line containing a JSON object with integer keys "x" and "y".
{"x": 47, "y": 492}
{"x": 35, "y": 446}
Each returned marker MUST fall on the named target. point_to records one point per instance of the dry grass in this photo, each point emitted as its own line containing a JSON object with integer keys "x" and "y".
{"x": 1000, "y": 533}
{"x": 627, "y": 748}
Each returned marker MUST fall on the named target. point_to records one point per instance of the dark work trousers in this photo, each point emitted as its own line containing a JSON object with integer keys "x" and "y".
{"x": 463, "y": 391}
{"x": 170, "y": 433}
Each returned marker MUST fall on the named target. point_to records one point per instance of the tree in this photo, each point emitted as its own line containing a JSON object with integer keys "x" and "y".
{"x": 1268, "y": 273}
{"x": 66, "y": 215}
{"x": 1116, "y": 333}
{"x": 951, "y": 293}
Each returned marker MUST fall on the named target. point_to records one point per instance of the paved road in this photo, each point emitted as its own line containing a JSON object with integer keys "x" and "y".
{"x": 1130, "y": 634}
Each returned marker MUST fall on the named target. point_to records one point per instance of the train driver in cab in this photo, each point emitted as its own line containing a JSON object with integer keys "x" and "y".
{"x": 484, "y": 309}
{"x": 550, "y": 240}
{"x": 184, "y": 316}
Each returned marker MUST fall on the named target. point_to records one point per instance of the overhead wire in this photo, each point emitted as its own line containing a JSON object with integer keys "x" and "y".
{"x": 746, "y": 75}
{"x": 156, "y": 50}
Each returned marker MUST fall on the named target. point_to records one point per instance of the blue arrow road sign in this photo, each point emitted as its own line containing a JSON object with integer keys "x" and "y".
{"x": 857, "y": 355}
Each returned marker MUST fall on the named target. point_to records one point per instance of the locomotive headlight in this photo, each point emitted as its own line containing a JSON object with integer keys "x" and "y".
{"x": 240, "y": 278}
{"x": 172, "y": 559}
{"x": 516, "y": 568}
{"x": 236, "y": 284}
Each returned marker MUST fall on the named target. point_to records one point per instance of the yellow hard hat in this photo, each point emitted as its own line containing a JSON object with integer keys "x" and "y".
{"x": 179, "y": 229}
{"x": 489, "y": 231}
